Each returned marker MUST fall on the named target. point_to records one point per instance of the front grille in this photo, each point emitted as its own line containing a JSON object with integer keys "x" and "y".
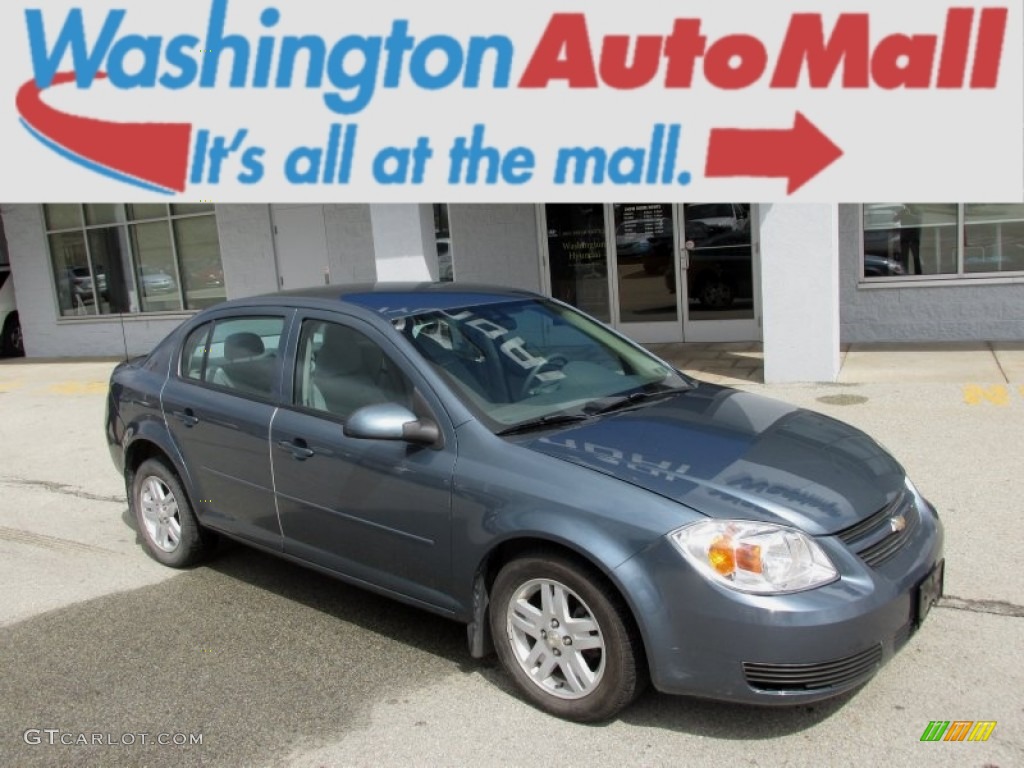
{"x": 881, "y": 517}
{"x": 874, "y": 540}
{"x": 812, "y": 677}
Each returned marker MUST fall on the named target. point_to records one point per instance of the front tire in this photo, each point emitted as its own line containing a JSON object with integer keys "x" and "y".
{"x": 565, "y": 638}
{"x": 165, "y": 518}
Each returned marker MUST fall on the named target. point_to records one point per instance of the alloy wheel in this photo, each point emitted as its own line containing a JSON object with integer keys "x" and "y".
{"x": 556, "y": 639}
{"x": 160, "y": 514}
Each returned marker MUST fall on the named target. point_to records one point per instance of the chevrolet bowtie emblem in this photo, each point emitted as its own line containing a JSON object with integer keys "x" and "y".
{"x": 898, "y": 523}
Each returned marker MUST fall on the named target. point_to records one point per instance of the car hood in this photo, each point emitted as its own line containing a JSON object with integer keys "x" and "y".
{"x": 734, "y": 455}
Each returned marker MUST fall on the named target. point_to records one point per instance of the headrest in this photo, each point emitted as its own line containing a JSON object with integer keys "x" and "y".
{"x": 242, "y": 345}
{"x": 341, "y": 353}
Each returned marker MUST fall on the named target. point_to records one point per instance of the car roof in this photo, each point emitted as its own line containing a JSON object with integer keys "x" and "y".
{"x": 396, "y": 299}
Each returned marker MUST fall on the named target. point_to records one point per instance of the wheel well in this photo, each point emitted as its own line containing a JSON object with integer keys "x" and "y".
{"x": 140, "y": 451}
{"x": 516, "y": 548}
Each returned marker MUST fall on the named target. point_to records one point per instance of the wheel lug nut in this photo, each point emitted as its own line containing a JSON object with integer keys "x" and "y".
{"x": 557, "y": 652}
{"x": 567, "y": 640}
{"x": 554, "y": 623}
{"x": 544, "y": 633}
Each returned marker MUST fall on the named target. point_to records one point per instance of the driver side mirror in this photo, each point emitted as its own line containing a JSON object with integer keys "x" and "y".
{"x": 390, "y": 421}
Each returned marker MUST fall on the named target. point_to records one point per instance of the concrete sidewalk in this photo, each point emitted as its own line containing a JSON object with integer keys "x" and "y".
{"x": 988, "y": 363}
{"x": 992, "y": 363}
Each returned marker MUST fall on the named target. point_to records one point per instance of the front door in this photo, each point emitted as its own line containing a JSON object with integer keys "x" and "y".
{"x": 374, "y": 510}
{"x": 646, "y": 277}
{"x": 718, "y": 261}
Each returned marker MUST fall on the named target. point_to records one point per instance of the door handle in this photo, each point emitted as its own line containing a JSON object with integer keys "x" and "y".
{"x": 298, "y": 449}
{"x": 187, "y": 417}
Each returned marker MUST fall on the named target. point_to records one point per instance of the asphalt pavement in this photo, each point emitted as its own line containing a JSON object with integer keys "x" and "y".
{"x": 268, "y": 664}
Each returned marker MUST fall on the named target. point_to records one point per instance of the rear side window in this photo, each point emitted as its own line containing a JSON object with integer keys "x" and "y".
{"x": 239, "y": 353}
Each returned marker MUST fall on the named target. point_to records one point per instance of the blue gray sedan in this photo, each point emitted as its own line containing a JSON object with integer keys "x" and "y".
{"x": 596, "y": 518}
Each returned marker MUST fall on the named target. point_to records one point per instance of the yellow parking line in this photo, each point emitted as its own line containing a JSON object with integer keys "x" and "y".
{"x": 10, "y": 386}
{"x": 79, "y": 388}
{"x": 997, "y": 395}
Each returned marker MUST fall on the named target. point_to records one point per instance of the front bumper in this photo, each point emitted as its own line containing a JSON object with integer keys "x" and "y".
{"x": 705, "y": 640}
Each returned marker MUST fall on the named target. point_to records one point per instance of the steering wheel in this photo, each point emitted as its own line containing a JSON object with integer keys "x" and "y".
{"x": 556, "y": 363}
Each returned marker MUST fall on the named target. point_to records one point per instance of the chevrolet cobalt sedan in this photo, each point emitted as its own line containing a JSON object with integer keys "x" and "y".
{"x": 593, "y": 516}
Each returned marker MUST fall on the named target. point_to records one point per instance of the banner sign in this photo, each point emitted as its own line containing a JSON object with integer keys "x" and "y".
{"x": 397, "y": 101}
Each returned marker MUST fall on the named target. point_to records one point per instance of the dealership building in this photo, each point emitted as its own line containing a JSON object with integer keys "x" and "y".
{"x": 803, "y": 279}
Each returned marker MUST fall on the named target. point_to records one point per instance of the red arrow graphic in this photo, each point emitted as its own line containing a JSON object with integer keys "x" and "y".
{"x": 153, "y": 152}
{"x": 799, "y": 153}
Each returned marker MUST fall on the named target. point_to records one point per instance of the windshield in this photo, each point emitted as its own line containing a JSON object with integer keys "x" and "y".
{"x": 523, "y": 361}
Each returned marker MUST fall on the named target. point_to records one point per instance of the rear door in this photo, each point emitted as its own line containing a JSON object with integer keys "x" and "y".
{"x": 375, "y": 510}
{"x": 218, "y": 406}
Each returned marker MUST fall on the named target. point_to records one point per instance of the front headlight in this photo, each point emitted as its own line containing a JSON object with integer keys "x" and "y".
{"x": 760, "y": 558}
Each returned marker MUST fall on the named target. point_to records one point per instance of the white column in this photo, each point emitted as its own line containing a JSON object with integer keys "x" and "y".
{"x": 800, "y": 292}
{"x": 403, "y": 242}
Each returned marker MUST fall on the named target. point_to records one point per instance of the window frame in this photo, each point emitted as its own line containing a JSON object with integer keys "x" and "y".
{"x": 285, "y": 356}
{"x": 960, "y": 277}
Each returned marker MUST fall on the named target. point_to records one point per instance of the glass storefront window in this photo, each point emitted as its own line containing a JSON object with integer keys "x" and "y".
{"x": 186, "y": 209}
{"x": 143, "y": 211}
{"x": 98, "y": 214}
{"x": 111, "y": 269}
{"x": 113, "y": 258}
{"x": 72, "y": 274}
{"x": 199, "y": 254}
{"x": 63, "y": 216}
{"x": 993, "y": 238}
{"x": 443, "y": 238}
{"x": 922, "y": 241}
{"x": 158, "y": 288}
{"x": 577, "y": 256}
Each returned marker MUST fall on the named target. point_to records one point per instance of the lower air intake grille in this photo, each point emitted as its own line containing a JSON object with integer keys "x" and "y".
{"x": 812, "y": 677}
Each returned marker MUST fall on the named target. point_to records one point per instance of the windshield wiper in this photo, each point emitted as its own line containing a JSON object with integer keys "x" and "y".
{"x": 544, "y": 422}
{"x": 620, "y": 402}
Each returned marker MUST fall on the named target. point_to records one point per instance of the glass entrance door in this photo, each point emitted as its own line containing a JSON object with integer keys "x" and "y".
{"x": 718, "y": 260}
{"x": 659, "y": 272}
{"x": 645, "y": 271}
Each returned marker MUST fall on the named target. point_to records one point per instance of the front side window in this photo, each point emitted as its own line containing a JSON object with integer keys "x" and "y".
{"x": 941, "y": 241}
{"x": 240, "y": 354}
{"x": 521, "y": 361}
{"x": 112, "y": 258}
{"x": 340, "y": 370}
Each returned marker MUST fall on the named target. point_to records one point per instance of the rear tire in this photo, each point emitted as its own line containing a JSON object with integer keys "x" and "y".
{"x": 165, "y": 518}
{"x": 565, "y": 638}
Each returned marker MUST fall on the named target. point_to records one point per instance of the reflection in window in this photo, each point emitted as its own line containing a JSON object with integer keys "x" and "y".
{"x": 993, "y": 238}
{"x": 578, "y": 257}
{"x": 443, "y": 238}
{"x": 904, "y": 240}
{"x": 112, "y": 258}
{"x": 645, "y": 263}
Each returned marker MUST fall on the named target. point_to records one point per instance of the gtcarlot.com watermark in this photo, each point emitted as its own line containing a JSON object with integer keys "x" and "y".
{"x": 58, "y": 737}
